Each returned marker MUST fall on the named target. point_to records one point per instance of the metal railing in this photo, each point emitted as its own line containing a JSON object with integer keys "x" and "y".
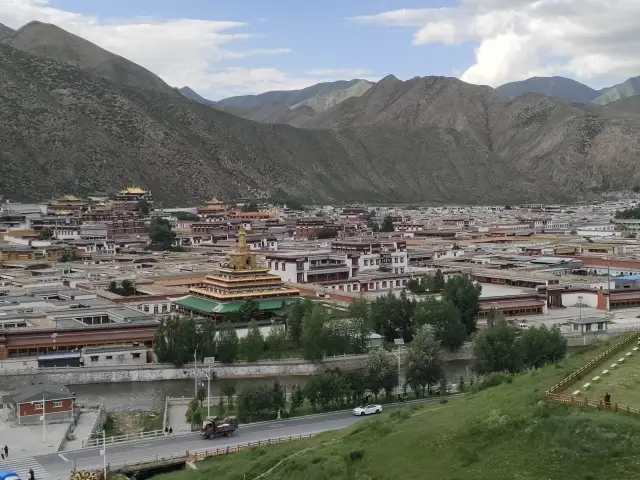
{"x": 202, "y": 454}
{"x": 116, "y": 439}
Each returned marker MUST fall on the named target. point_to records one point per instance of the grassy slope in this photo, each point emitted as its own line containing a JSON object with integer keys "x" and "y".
{"x": 504, "y": 432}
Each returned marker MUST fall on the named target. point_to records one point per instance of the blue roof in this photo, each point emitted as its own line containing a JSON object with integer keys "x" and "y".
{"x": 635, "y": 276}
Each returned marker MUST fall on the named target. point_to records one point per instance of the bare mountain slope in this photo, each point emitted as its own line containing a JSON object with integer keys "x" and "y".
{"x": 557, "y": 87}
{"x": 79, "y": 133}
{"x": 51, "y": 42}
{"x": 5, "y": 31}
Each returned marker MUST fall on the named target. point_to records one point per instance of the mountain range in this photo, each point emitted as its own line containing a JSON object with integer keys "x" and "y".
{"x": 91, "y": 121}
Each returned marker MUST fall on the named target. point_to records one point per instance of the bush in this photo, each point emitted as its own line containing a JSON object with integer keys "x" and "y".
{"x": 356, "y": 455}
{"x": 492, "y": 380}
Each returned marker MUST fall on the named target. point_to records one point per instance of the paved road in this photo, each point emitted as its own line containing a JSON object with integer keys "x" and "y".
{"x": 60, "y": 465}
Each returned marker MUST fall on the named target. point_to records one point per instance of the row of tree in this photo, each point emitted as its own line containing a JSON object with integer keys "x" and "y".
{"x": 125, "y": 289}
{"x": 503, "y": 347}
{"x": 427, "y": 284}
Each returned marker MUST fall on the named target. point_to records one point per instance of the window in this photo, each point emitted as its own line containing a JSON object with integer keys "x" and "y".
{"x": 57, "y": 404}
{"x": 283, "y": 268}
{"x": 94, "y": 358}
{"x": 277, "y": 265}
{"x": 600, "y": 325}
{"x": 366, "y": 262}
{"x": 588, "y": 327}
{"x": 136, "y": 355}
{"x": 37, "y": 406}
{"x": 109, "y": 357}
{"x": 395, "y": 259}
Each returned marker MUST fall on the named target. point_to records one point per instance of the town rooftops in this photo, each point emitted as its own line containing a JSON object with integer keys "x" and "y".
{"x": 34, "y": 393}
{"x": 210, "y": 306}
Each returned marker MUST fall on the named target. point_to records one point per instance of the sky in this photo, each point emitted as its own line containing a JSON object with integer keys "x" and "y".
{"x": 222, "y": 48}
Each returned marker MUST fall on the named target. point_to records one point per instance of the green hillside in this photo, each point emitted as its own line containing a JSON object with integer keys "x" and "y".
{"x": 503, "y": 432}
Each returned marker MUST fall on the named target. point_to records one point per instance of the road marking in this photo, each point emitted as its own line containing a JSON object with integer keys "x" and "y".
{"x": 63, "y": 457}
{"x": 22, "y": 465}
{"x": 142, "y": 445}
{"x": 277, "y": 425}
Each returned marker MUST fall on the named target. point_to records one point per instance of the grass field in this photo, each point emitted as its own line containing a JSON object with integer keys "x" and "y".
{"x": 622, "y": 382}
{"x": 504, "y": 432}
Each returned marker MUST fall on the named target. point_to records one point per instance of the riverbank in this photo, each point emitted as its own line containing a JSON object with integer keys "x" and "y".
{"x": 160, "y": 372}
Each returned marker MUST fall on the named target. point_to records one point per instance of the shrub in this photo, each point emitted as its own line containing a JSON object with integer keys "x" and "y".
{"x": 492, "y": 380}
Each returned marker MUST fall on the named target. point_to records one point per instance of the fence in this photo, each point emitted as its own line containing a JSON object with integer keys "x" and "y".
{"x": 202, "y": 454}
{"x": 131, "y": 437}
{"x": 593, "y": 363}
{"x": 553, "y": 395}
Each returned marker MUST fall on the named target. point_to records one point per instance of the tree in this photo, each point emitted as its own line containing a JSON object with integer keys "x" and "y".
{"x": 297, "y": 399}
{"x": 227, "y": 347}
{"x": 249, "y": 311}
{"x": 445, "y": 319}
{"x": 465, "y": 295}
{"x": 361, "y": 325}
{"x": 250, "y": 207}
{"x": 253, "y": 344}
{"x": 424, "y": 363}
{"x": 45, "y": 234}
{"x": 374, "y": 226}
{"x": 68, "y": 255}
{"x": 416, "y": 287}
{"x": 294, "y": 319}
{"x": 276, "y": 340}
{"x": 161, "y": 234}
{"x": 541, "y": 345}
{"x": 186, "y": 217}
{"x": 194, "y": 413}
{"x": 312, "y": 336}
{"x": 113, "y": 287}
{"x": 127, "y": 289}
{"x": 381, "y": 373}
{"x": 143, "y": 206}
{"x": 391, "y": 316}
{"x": 229, "y": 391}
{"x": 438, "y": 282}
{"x": 496, "y": 349}
{"x": 176, "y": 340}
{"x": 207, "y": 338}
{"x": 387, "y": 224}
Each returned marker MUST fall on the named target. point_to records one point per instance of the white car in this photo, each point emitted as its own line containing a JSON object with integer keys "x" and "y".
{"x": 367, "y": 410}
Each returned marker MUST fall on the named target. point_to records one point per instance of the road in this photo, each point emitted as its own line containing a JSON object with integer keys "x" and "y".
{"x": 59, "y": 465}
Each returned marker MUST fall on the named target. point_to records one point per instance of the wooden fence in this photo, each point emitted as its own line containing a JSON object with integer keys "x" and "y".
{"x": 553, "y": 395}
{"x": 202, "y": 454}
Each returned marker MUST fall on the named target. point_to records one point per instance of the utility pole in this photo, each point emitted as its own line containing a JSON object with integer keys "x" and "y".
{"x": 609, "y": 283}
{"x": 195, "y": 374}
{"x": 44, "y": 418}
{"x": 209, "y": 392}
{"x": 104, "y": 453}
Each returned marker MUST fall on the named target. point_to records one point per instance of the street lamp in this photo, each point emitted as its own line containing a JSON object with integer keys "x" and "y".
{"x": 398, "y": 355}
{"x": 44, "y": 418}
{"x": 580, "y": 305}
{"x": 208, "y": 374}
{"x": 103, "y": 452}
{"x": 195, "y": 374}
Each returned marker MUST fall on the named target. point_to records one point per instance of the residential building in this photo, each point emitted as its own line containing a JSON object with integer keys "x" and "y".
{"x": 29, "y": 404}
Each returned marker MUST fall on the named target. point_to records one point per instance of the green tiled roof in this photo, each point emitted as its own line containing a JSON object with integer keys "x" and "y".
{"x": 209, "y": 306}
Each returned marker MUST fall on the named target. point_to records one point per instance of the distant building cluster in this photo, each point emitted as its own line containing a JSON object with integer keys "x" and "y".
{"x": 79, "y": 285}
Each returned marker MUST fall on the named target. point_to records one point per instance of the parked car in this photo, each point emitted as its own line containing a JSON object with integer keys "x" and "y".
{"x": 367, "y": 410}
{"x": 8, "y": 475}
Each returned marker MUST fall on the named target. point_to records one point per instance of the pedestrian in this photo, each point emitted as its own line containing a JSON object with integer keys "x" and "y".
{"x": 32, "y": 476}
{"x": 607, "y": 399}
{"x": 170, "y": 430}
{"x": 166, "y": 431}
{"x": 2, "y": 453}
{"x": 6, "y": 451}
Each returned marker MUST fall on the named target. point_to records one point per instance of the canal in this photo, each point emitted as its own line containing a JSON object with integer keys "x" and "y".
{"x": 132, "y": 396}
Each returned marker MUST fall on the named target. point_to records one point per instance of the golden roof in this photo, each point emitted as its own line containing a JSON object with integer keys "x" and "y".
{"x": 69, "y": 198}
{"x": 213, "y": 201}
{"x": 133, "y": 191}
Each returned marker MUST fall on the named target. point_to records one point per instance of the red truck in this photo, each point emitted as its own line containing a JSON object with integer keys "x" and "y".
{"x": 212, "y": 427}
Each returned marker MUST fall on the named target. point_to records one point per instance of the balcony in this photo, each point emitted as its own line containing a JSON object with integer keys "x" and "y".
{"x": 325, "y": 268}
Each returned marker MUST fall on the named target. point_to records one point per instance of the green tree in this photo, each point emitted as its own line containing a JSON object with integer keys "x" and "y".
{"x": 496, "y": 349}
{"x": 541, "y": 345}
{"x": 438, "y": 282}
{"x": 416, "y": 287}
{"x": 424, "y": 362}
{"x": 194, "y": 413}
{"x": 253, "y": 344}
{"x": 229, "y": 390}
{"x": 68, "y": 255}
{"x": 326, "y": 232}
{"x": 45, "y": 234}
{"x": 297, "y": 399}
{"x": 127, "y": 288}
{"x": 250, "y": 207}
{"x": 381, "y": 372}
{"x": 176, "y": 340}
{"x": 161, "y": 234}
{"x": 391, "y": 316}
{"x": 186, "y": 217}
{"x": 207, "y": 338}
{"x": 445, "y": 319}
{"x": 387, "y": 224}
{"x": 276, "y": 340}
{"x": 143, "y": 206}
{"x": 113, "y": 287}
{"x": 359, "y": 313}
{"x": 465, "y": 295}
{"x": 249, "y": 311}
{"x": 294, "y": 319}
{"x": 228, "y": 345}
{"x": 313, "y": 334}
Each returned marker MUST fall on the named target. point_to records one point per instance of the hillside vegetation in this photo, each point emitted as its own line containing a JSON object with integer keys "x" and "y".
{"x": 502, "y": 432}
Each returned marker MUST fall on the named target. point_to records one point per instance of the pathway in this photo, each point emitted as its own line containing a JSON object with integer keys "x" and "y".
{"x": 176, "y": 418}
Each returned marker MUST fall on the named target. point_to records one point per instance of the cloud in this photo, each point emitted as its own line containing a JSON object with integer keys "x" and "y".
{"x": 181, "y": 51}
{"x": 587, "y": 40}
